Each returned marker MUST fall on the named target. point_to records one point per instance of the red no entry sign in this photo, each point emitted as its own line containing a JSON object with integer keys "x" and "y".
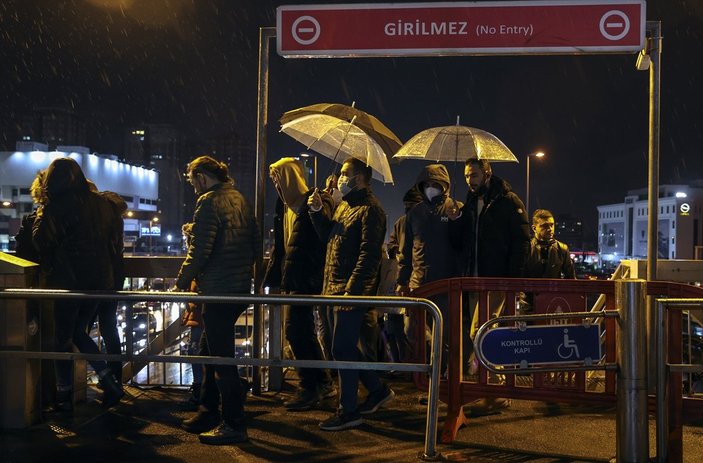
{"x": 457, "y": 28}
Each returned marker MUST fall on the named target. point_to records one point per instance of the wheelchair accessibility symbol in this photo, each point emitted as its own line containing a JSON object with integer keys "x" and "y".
{"x": 568, "y": 348}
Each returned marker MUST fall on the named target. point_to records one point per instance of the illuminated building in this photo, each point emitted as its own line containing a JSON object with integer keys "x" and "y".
{"x": 138, "y": 186}
{"x": 622, "y": 228}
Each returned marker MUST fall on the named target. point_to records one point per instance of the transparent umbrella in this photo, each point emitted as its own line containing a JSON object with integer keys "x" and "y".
{"x": 339, "y": 132}
{"x": 455, "y": 143}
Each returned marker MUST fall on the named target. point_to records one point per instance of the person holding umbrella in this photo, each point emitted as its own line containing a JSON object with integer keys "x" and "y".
{"x": 354, "y": 237}
{"x": 491, "y": 233}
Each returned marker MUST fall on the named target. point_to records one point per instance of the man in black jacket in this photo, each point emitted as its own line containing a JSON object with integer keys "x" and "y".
{"x": 491, "y": 233}
{"x": 354, "y": 238}
{"x": 295, "y": 267}
{"x": 224, "y": 245}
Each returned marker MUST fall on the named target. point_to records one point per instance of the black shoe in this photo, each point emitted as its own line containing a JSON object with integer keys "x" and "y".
{"x": 203, "y": 421}
{"x": 376, "y": 400}
{"x": 224, "y": 434}
{"x": 302, "y": 400}
{"x": 112, "y": 391}
{"x": 192, "y": 403}
{"x": 340, "y": 421}
{"x": 64, "y": 402}
{"x": 327, "y": 391}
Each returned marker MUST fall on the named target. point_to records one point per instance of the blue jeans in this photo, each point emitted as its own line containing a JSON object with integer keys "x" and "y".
{"x": 345, "y": 342}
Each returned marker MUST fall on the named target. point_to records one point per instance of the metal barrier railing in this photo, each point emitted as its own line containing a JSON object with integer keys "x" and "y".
{"x": 431, "y": 368}
{"x": 669, "y": 387}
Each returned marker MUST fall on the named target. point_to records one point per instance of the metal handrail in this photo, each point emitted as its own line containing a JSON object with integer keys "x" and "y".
{"x": 429, "y": 453}
{"x": 663, "y": 368}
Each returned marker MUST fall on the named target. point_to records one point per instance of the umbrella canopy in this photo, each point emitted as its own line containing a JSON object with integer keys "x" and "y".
{"x": 455, "y": 143}
{"x": 339, "y": 132}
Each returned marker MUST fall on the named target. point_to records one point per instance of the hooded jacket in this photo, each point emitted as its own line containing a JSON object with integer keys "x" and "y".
{"x": 74, "y": 231}
{"x": 296, "y": 265}
{"x": 224, "y": 245}
{"x": 502, "y": 240}
{"x": 425, "y": 252}
{"x": 354, "y": 237}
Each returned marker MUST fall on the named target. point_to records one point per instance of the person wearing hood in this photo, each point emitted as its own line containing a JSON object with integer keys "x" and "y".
{"x": 296, "y": 264}
{"x": 491, "y": 234}
{"x": 73, "y": 232}
{"x": 425, "y": 253}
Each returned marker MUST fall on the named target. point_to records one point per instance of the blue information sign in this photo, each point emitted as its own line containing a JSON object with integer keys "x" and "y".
{"x": 542, "y": 344}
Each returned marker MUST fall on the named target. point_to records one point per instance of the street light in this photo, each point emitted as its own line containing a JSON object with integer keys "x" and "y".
{"x": 538, "y": 154}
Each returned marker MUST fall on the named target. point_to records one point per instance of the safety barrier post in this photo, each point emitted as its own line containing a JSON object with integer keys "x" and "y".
{"x": 632, "y": 427}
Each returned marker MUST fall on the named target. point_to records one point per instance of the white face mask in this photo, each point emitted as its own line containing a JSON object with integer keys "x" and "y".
{"x": 432, "y": 192}
{"x": 343, "y": 185}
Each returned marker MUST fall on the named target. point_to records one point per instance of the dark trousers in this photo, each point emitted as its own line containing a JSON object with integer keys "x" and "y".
{"x": 300, "y": 333}
{"x": 221, "y": 383}
{"x": 71, "y": 320}
{"x": 107, "y": 320}
{"x": 196, "y": 333}
{"x": 345, "y": 347}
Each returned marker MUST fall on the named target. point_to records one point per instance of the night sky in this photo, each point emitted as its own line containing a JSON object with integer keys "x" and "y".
{"x": 193, "y": 63}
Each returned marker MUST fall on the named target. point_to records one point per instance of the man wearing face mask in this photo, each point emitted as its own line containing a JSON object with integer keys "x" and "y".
{"x": 426, "y": 254}
{"x": 354, "y": 237}
{"x": 491, "y": 233}
{"x": 295, "y": 267}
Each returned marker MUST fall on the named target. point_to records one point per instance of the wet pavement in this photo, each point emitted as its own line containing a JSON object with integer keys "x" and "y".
{"x": 146, "y": 428}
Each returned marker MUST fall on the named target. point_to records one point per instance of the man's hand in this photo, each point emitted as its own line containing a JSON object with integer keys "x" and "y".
{"x": 314, "y": 201}
{"x": 453, "y": 211}
{"x": 402, "y": 290}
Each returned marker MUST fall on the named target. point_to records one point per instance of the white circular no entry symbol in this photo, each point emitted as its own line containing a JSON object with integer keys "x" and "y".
{"x": 685, "y": 208}
{"x": 305, "y": 30}
{"x": 614, "y": 25}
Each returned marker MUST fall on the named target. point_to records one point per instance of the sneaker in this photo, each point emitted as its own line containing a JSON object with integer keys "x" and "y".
{"x": 203, "y": 421}
{"x": 327, "y": 391}
{"x": 489, "y": 406}
{"x": 302, "y": 400}
{"x": 340, "y": 421}
{"x": 376, "y": 400}
{"x": 224, "y": 434}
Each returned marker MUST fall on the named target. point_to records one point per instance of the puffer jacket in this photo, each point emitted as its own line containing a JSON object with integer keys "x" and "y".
{"x": 298, "y": 266}
{"x": 426, "y": 253}
{"x": 73, "y": 232}
{"x": 503, "y": 233}
{"x": 225, "y": 243}
{"x": 354, "y": 244}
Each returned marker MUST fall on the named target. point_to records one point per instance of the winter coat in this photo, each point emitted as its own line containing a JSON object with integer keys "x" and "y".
{"x": 354, "y": 244}
{"x": 73, "y": 231}
{"x": 119, "y": 206}
{"x": 558, "y": 263}
{"x": 24, "y": 246}
{"x": 503, "y": 233}
{"x": 225, "y": 243}
{"x": 426, "y": 253}
{"x": 297, "y": 267}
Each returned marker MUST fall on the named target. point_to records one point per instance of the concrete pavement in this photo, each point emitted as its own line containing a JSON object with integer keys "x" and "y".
{"x": 145, "y": 428}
